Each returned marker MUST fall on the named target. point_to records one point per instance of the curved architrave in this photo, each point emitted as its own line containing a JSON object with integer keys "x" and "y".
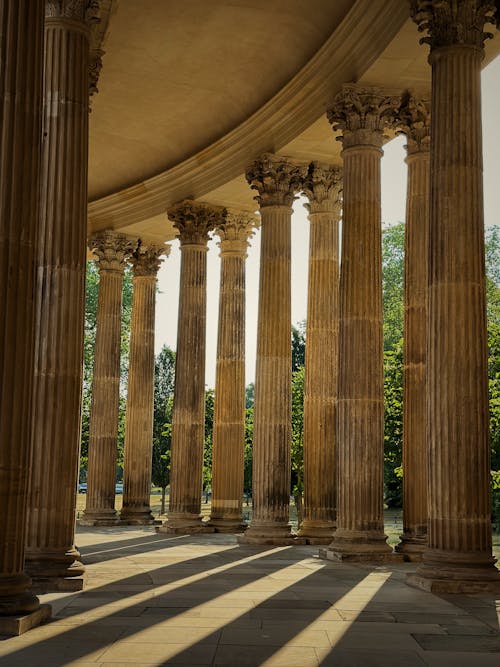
{"x": 352, "y": 48}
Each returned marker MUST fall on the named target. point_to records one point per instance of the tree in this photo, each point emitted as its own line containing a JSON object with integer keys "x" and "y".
{"x": 164, "y": 383}
{"x": 393, "y": 424}
{"x": 160, "y": 469}
{"x": 298, "y": 345}
{"x": 393, "y": 240}
{"x": 209, "y": 432}
{"x": 297, "y": 445}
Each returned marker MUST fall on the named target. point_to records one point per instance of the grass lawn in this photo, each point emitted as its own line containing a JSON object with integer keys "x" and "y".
{"x": 393, "y": 519}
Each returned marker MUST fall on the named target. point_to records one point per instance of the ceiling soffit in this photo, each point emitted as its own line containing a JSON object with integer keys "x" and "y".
{"x": 352, "y": 48}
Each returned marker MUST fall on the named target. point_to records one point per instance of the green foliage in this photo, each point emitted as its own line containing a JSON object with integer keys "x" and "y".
{"x": 91, "y": 299}
{"x": 209, "y": 431}
{"x": 298, "y": 345}
{"x": 249, "y": 395}
{"x": 393, "y": 424}
{"x": 247, "y": 464}
{"x": 392, "y": 283}
{"x": 297, "y": 445}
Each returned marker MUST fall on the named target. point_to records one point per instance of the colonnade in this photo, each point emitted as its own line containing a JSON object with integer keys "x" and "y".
{"x": 445, "y": 450}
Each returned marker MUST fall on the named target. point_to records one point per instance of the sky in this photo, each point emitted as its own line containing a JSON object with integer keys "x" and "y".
{"x": 393, "y": 211}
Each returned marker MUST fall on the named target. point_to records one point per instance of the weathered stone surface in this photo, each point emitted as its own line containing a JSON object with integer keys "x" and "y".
{"x": 21, "y": 39}
{"x": 361, "y": 114}
{"x": 458, "y": 558}
{"x": 136, "y": 508}
{"x": 229, "y": 418}
{"x": 60, "y": 302}
{"x": 276, "y": 180}
{"x": 194, "y": 220}
{"x": 323, "y": 187}
{"x": 112, "y": 250}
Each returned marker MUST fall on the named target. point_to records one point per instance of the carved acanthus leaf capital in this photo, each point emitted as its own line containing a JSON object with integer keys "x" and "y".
{"x": 95, "y": 67}
{"x": 195, "y": 220}
{"x": 147, "y": 258}
{"x": 85, "y": 11}
{"x": 414, "y": 120}
{"x": 323, "y": 187}
{"x": 276, "y": 179}
{"x": 235, "y": 231}
{"x": 362, "y": 114}
{"x": 112, "y": 249}
{"x": 453, "y": 22}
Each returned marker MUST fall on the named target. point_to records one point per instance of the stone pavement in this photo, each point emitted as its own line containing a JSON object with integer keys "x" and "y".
{"x": 155, "y": 599}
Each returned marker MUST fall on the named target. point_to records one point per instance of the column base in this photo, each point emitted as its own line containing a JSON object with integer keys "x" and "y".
{"x": 57, "y": 584}
{"x": 55, "y": 570}
{"x": 411, "y": 547}
{"x": 99, "y": 518}
{"x": 270, "y": 533}
{"x": 452, "y": 572}
{"x": 141, "y": 518}
{"x": 184, "y": 524}
{"x": 317, "y": 532}
{"x": 13, "y": 626}
{"x": 360, "y": 546}
{"x": 223, "y": 525}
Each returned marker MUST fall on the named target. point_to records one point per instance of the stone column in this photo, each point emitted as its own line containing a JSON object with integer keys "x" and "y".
{"x": 276, "y": 181}
{"x": 194, "y": 220}
{"x": 136, "y": 508}
{"x": 323, "y": 187}
{"x": 21, "y": 37}
{"x": 361, "y": 114}
{"x": 229, "y": 419}
{"x": 413, "y": 119}
{"x": 458, "y": 558}
{"x": 51, "y": 557}
{"x": 112, "y": 250}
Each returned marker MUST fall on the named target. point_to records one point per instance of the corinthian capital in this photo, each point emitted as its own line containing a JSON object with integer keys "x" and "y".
{"x": 362, "y": 114}
{"x": 414, "y": 120}
{"x": 85, "y": 11}
{"x": 323, "y": 187}
{"x": 235, "y": 231}
{"x": 112, "y": 249}
{"x": 276, "y": 179}
{"x": 195, "y": 220}
{"x": 147, "y": 257}
{"x": 453, "y": 22}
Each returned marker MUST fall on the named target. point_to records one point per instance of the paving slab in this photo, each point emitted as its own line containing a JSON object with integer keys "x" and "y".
{"x": 203, "y": 600}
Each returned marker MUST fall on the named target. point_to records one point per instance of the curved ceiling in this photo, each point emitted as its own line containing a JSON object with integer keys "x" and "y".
{"x": 178, "y": 76}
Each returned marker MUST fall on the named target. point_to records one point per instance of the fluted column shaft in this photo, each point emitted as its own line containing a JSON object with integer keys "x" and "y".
{"x": 276, "y": 180}
{"x": 21, "y": 65}
{"x": 273, "y": 375}
{"x": 112, "y": 250}
{"x": 321, "y": 360}
{"x": 194, "y": 221}
{"x": 360, "y": 421}
{"x": 139, "y": 414}
{"x": 361, "y": 385}
{"x": 60, "y": 305}
{"x": 414, "y": 538}
{"x": 229, "y": 417}
{"x": 414, "y": 121}
{"x": 459, "y": 556}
